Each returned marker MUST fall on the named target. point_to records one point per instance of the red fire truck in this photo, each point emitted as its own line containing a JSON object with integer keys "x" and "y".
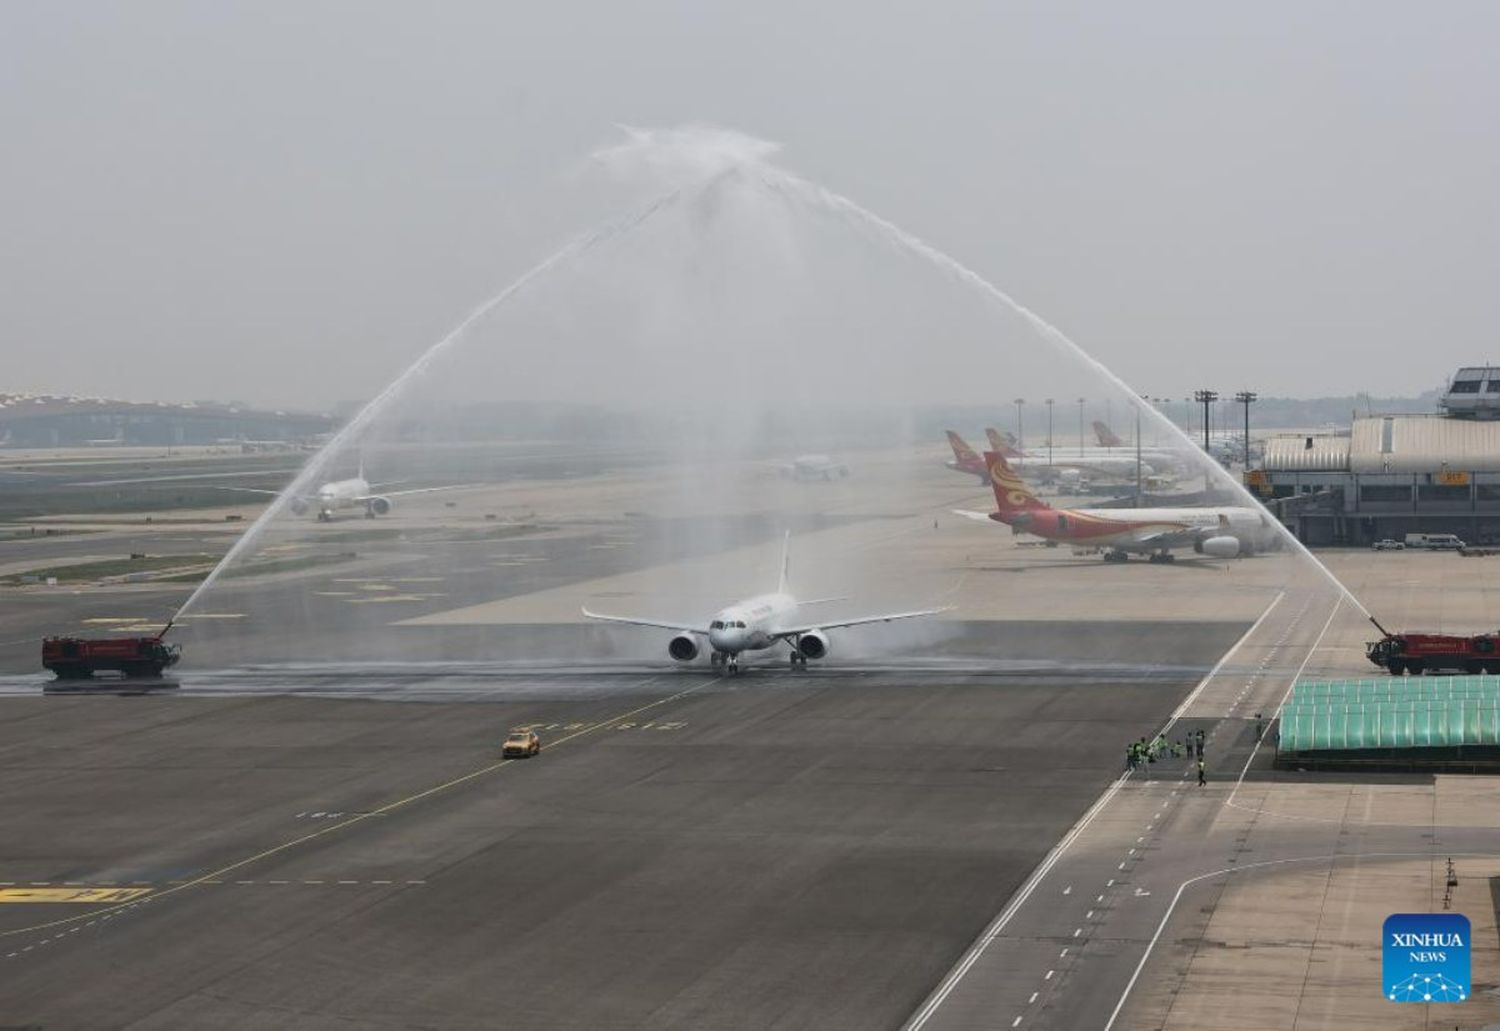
{"x": 76, "y": 658}
{"x": 1417, "y": 653}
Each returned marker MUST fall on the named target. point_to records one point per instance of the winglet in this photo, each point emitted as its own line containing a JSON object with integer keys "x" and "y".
{"x": 786, "y": 560}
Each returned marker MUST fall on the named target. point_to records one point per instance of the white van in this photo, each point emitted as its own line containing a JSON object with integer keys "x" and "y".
{"x": 1434, "y": 541}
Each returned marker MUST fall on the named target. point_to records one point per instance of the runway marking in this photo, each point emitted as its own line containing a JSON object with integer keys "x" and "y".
{"x": 993, "y": 931}
{"x": 84, "y": 895}
{"x": 1229, "y": 870}
{"x": 209, "y": 877}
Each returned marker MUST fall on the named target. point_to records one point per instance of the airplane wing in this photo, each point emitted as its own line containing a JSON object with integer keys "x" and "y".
{"x": 888, "y": 617}
{"x": 415, "y": 490}
{"x": 660, "y": 624}
{"x": 251, "y": 490}
{"x": 1158, "y": 539}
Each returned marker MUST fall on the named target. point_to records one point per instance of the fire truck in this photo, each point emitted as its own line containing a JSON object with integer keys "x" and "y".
{"x": 1418, "y": 653}
{"x": 77, "y": 658}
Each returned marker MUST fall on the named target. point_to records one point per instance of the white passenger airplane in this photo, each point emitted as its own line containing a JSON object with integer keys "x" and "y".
{"x": 352, "y": 493}
{"x": 756, "y": 624}
{"x": 805, "y": 468}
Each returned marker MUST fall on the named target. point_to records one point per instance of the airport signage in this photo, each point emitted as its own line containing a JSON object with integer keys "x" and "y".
{"x": 1426, "y": 957}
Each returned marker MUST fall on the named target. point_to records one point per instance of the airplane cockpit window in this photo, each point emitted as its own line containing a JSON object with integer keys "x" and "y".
{"x": 717, "y": 624}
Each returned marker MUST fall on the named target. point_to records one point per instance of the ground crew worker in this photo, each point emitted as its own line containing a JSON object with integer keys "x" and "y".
{"x": 1259, "y": 726}
{"x": 1202, "y": 780}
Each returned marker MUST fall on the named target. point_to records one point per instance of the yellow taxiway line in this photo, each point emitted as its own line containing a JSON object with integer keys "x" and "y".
{"x": 214, "y": 875}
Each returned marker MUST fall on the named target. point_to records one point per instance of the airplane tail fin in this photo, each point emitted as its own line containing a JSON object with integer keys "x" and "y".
{"x": 962, "y": 452}
{"x": 1005, "y": 445}
{"x": 1012, "y": 495}
{"x": 1107, "y": 437}
{"x": 786, "y": 562}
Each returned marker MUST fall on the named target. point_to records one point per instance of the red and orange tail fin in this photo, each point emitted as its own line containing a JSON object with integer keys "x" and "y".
{"x": 962, "y": 452}
{"x": 1107, "y": 437}
{"x": 1004, "y": 445}
{"x": 1012, "y": 496}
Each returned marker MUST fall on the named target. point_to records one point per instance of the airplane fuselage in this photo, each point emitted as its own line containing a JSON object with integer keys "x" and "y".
{"x": 1131, "y": 528}
{"x": 341, "y": 494}
{"x": 751, "y": 625}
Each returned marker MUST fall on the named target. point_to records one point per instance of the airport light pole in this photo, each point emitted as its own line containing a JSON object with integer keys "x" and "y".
{"x": 1206, "y": 398}
{"x": 1050, "y": 400}
{"x": 1020, "y": 426}
{"x": 1246, "y": 398}
{"x": 1080, "y": 427}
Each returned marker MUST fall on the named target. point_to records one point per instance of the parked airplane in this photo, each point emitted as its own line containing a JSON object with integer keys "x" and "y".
{"x": 1154, "y": 458}
{"x": 1220, "y": 532}
{"x": 756, "y": 624}
{"x": 1107, "y": 437}
{"x": 814, "y": 467}
{"x": 1091, "y": 462}
{"x": 1224, "y": 447}
{"x": 1063, "y": 469}
{"x": 966, "y": 459}
{"x": 352, "y": 493}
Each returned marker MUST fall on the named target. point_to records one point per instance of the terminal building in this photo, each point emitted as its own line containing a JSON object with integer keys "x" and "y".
{"x": 1390, "y": 475}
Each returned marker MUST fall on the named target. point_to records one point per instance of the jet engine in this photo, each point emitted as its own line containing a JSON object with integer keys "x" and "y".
{"x": 380, "y": 506}
{"x": 300, "y": 506}
{"x": 1219, "y": 547}
{"x": 813, "y": 644}
{"x": 683, "y": 648}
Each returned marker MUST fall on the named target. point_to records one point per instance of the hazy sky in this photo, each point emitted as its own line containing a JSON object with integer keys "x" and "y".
{"x": 286, "y": 202}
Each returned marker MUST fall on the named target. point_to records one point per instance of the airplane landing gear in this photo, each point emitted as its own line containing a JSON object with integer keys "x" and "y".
{"x": 1163, "y": 556}
{"x": 798, "y": 659}
{"x": 325, "y": 516}
{"x": 1116, "y": 556}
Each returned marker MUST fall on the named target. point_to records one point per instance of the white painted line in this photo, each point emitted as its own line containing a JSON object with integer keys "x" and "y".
{"x": 1228, "y": 802}
{"x": 1049, "y": 975}
{"x": 1033, "y": 998}
{"x": 1332, "y": 858}
{"x": 1016, "y": 1022}
{"x": 1063, "y": 953}
{"x": 1089, "y": 915}
{"x": 1077, "y": 931}
{"x": 957, "y": 974}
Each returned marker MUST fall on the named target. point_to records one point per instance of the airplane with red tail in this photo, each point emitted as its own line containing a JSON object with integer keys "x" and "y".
{"x": 966, "y": 459}
{"x": 1107, "y": 437}
{"x": 1219, "y": 532}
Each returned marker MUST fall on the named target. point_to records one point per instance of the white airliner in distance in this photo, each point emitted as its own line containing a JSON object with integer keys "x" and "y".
{"x": 351, "y": 493}
{"x": 805, "y": 468}
{"x": 756, "y": 624}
